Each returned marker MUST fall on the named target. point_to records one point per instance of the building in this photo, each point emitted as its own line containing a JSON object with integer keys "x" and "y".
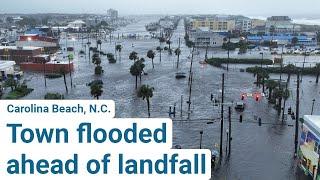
{"x": 6, "y": 67}
{"x": 257, "y": 23}
{"x": 77, "y": 24}
{"x": 217, "y": 24}
{"x": 243, "y": 24}
{"x": 309, "y": 147}
{"x": 19, "y": 54}
{"x": 112, "y": 14}
{"x": 283, "y": 39}
{"x": 48, "y": 44}
{"x": 204, "y": 37}
{"x": 281, "y": 24}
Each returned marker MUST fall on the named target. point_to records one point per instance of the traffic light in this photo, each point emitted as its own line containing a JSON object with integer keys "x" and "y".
{"x": 260, "y": 122}
{"x": 257, "y": 97}
{"x": 289, "y": 111}
{"x": 241, "y": 119}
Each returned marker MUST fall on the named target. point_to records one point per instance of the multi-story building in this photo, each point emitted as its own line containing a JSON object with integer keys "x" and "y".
{"x": 216, "y": 24}
{"x": 257, "y": 23}
{"x": 204, "y": 37}
{"x": 244, "y": 24}
{"x": 113, "y": 14}
{"x": 281, "y": 24}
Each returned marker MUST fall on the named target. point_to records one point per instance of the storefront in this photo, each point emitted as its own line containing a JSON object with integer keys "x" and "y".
{"x": 309, "y": 146}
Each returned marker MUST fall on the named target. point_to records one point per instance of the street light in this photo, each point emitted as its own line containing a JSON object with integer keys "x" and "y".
{"x": 313, "y": 101}
{"x": 262, "y": 58}
{"x": 201, "y": 133}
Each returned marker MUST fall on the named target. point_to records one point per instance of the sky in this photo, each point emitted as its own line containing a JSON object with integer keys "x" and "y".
{"x": 303, "y": 8}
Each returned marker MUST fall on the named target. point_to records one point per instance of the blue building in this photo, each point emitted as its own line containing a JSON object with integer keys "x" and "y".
{"x": 283, "y": 39}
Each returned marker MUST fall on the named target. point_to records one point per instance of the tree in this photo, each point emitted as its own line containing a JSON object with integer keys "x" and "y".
{"x": 160, "y": 49}
{"x": 146, "y": 92}
{"x": 271, "y": 85}
{"x": 96, "y": 90}
{"x": 63, "y": 72}
{"x": 243, "y": 47}
{"x": 99, "y": 43}
{"x": 111, "y": 58}
{"x": 11, "y": 82}
{"x": 97, "y": 61}
{"x": 151, "y": 54}
{"x": 177, "y": 52}
{"x": 294, "y": 41}
{"x": 119, "y": 49}
{"x": 136, "y": 69}
{"x": 289, "y": 69}
{"x": 133, "y": 56}
{"x": 169, "y": 43}
{"x": 263, "y": 75}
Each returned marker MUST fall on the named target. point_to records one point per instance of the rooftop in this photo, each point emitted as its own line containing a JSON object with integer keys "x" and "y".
{"x": 19, "y": 48}
{"x": 313, "y": 122}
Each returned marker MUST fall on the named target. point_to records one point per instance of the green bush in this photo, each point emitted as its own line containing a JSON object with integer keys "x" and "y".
{"x": 219, "y": 61}
{"x": 53, "y": 96}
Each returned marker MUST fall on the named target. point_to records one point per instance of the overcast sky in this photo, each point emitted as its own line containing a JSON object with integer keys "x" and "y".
{"x": 125, "y": 7}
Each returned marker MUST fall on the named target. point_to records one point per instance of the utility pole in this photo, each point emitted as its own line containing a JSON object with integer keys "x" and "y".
{"x": 190, "y": 71}
{"x": 228, "y": 46}
{"x": 284, "y": 103}
{"x": 230, "y": 135}
{"x": 181, "y": 105}
{"x": 189, "y": 101}
{"x": 221, "y": 126}
{"x": 297, "y": 116}
{"x": 312, "y": 108}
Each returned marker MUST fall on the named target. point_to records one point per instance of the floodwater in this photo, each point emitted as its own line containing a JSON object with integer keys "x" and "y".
{"x": 264, "y": 153}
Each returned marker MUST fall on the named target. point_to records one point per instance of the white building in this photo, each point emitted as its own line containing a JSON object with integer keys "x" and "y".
{"x": 77, "y": 24}
{"x": 6, "y": 67}
{"x": 281, "y": 24}
{"x": 244, "y": 25}
{"x": 203, "y": 37}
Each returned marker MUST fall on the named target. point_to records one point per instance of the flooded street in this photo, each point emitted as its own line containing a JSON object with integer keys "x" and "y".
{"x": 257, "y": 152}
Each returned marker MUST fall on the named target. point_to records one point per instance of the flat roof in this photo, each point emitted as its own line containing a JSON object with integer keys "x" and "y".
{"x": 6, "y": 64}
{"x": 313, "y": 122}
{"x": 17, "y": 48}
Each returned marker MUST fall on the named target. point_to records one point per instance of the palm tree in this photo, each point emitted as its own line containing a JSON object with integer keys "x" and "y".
{"x": 99, "y": 43}
{"x": 271, "y": 85}
{"x": 151, "y": 54}
{"x": 96, "y": 90}
{"x": 160, "y": 49}
{"x": 136, "y": 69}
{"x": 133, "y": 56}
{"x": 263, "y": 75}
{"x": 318, "y": 72}
{"x": 97, "y": 61}
{"x": 111, "y": 58}
{"x": 178, "y": 52}
{"x": 63, "y": 72}
{"x": 119, "y": 49}
{"x": 146, "y": 92}
{"x": 290, "y": 68}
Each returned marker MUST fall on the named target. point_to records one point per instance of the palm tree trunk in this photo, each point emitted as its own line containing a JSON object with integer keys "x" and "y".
{"x": 317, "y": 80}
{"x": 136, "y": 82}
{"x": 148, "y": 103}
{"x": 65, "y": 82}
{"x": 178, "y": 62}
{"x": 263, "y": 84}
{"x": 160, "y": 55}
{"x": 152, "y": 64}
